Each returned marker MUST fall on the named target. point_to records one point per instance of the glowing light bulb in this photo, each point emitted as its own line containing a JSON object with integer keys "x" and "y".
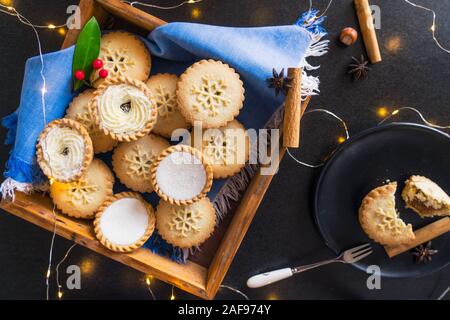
{"x": 51, "y": 26}
{"x": 341, "y": 139}
{"x": 172, "y": 297}
{"x": 48, "y": 273}
{"x": 272, "y": 296}
{"x": 6, "y": 3}
{"x": 395, "y": 112}
{"x": 382, "y": 112}
{"x": 196, "y": 13}
{"x": 433, "y": 27}
{"x": 44, "y": 90}
{"x": 60, "y": 294}
{"x": 62, "y": 31}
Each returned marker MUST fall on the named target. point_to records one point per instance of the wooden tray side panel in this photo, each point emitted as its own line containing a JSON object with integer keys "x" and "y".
{"x": 131, "y": 14}
{"x": 88, "y": 9}
{"x": 38, "y": 209}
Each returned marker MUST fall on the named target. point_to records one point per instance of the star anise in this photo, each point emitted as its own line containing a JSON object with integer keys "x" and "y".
{"x": 424, "y": 253}
{"x": 359, "y": 69}
{"x": 279, "y": 82}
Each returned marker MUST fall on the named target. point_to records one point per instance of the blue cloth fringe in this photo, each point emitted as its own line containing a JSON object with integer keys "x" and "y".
{"x": 157, "y": 245}
{"x": 22, "y": 171}
{"x": 10, "y": 123}
{"x": 315, "y": 27}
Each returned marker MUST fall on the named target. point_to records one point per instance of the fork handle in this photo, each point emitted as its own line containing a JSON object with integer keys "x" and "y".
{"x": 313, "y": 265}
{"x": 263, "y": 279}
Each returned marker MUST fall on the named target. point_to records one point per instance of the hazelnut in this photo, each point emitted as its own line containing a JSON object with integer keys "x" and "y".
{"x": 348, "y": 36}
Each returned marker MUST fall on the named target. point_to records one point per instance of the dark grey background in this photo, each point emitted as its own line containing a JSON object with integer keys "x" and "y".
{"x": 283, "y": 232}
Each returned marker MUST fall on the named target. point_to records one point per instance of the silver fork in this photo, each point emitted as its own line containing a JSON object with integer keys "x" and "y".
{"x": 349, "y": 256}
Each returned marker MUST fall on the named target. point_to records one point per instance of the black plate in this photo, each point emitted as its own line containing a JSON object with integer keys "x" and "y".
{"x": 365, "y": 161}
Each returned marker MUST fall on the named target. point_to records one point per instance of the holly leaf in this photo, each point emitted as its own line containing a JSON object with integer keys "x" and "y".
{"x": 87, "y": 49}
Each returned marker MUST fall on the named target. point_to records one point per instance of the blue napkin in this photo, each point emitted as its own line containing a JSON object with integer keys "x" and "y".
{"x": 252, "y": 52}
{"x": 27, "y": 122}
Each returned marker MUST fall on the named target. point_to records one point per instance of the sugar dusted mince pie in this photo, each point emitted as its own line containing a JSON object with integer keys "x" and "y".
{"x": 186, "y": 226}
{"x": 79, "y": 110}
{"x": 211, "y": 92}
{"x": 163, "y": 87}
{"x": 83, "y": 197}
{"x": 64, "y": 150}
{"x": 124, "y": 109}
{"x": 379, "y": 219}
{"x": 132, "y": 161}
{"x": 124, "y": 222}
{"x": 181, "y": 175}
{"x": 425, "y": 197}
{"x": 123, "y": 55}
{"x": 226, "y": 148}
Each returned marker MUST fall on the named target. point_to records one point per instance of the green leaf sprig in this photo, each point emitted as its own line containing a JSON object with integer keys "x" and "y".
{"x": 87, "y": 50}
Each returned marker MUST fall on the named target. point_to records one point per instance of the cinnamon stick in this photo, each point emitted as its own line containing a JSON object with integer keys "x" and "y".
{"x": 425, "y": 234}
{"x": 293, "y": 110}
{"x": 368, "y": 30}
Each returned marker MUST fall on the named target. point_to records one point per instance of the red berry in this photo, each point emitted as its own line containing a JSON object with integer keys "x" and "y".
{"x": 79, "y": 75}
{"x": 97, "y": 64}
{"x": 103, "y": 73}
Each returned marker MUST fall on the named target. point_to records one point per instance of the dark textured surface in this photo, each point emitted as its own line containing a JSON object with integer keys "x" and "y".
{"x": 283, "y": 232}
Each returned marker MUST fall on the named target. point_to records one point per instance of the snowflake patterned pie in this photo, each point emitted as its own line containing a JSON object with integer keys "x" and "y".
{"x": 425, "y": 197}
{"x": 211, "y": 92}
{"x": 132, "y": 161}
{"x": 124, "y": 109}
{"x": 164, "y": 87}
{"x": 181, "y": 175}
{"x": 79, "y": 110}
{"x": 82, "y": 198}
{"x": 226, "y": 148}
{"x": 379, "y": 219}
{"x": 123, "y": 55}
{"x": 186, "y": 226}
{"x": 64, "y": 150}
{"x": 124, "y": 222}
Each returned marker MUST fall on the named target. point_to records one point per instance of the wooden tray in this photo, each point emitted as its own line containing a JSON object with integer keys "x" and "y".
{"x": 204, "y": 272}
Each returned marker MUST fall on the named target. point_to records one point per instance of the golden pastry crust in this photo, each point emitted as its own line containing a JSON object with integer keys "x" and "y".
{"x": 123, "y": 55}
{"x": 379, "y": 220}
{"x": 124, "y": 248}
{"x": 132, "y": 161}
{"x": 186, "y": 226}
{"x": 425, "y": 197}
{"x": 226, "y": 148}
{"x": 79, "y": 110}
{"x": 163, "y": 87}
{"x": 148, "y": 110}
{"x": 88, "y": 150}
{"x": 82, "y": 198}
{"x": 197, "y": 154}
{"x": 211, "y": 92}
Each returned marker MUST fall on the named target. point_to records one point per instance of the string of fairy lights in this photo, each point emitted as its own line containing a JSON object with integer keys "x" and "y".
{"x": 341, "y": 139}
{"x": 149, "y": 5}
{"x": 58, "y": 284}
{"x": 6, "y": 7}
{"x": 433, "y": 24}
